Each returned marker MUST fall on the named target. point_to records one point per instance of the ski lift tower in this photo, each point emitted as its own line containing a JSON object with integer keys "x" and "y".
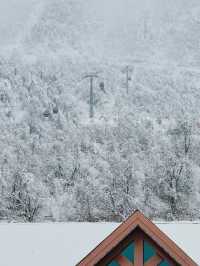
{"x": 127, "y": 71}
{"x": 91, "y": 77}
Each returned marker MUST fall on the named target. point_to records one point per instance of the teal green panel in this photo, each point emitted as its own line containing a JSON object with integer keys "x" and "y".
{"x": 113, "y": 263}
{"x": 149, "y": 252}
{"x": 164, "y": 263}
{"x": 129, "y": 252}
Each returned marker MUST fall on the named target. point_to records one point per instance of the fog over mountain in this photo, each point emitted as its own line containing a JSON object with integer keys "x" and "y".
{"x": 14, "y": 14}
{"x": 107, "y": 29}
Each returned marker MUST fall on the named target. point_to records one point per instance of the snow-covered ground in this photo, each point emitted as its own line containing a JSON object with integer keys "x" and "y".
{"x": 65, "y": 244}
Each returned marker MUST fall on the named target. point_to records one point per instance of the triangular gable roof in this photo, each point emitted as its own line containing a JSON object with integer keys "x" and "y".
{"x": 131, "y": 225}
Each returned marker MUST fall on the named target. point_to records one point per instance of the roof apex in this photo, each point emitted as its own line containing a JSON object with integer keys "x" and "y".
{"x": 137, "y": 219}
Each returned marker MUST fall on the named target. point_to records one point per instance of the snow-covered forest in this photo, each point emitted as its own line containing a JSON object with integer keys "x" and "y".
{"x": 139, "y": 150}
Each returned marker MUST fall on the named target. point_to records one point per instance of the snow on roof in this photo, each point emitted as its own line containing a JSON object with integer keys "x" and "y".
{"x": 65, "y": 244}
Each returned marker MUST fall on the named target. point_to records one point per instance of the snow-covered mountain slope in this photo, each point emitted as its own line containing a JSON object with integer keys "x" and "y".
{"x": 141, "y": 148}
